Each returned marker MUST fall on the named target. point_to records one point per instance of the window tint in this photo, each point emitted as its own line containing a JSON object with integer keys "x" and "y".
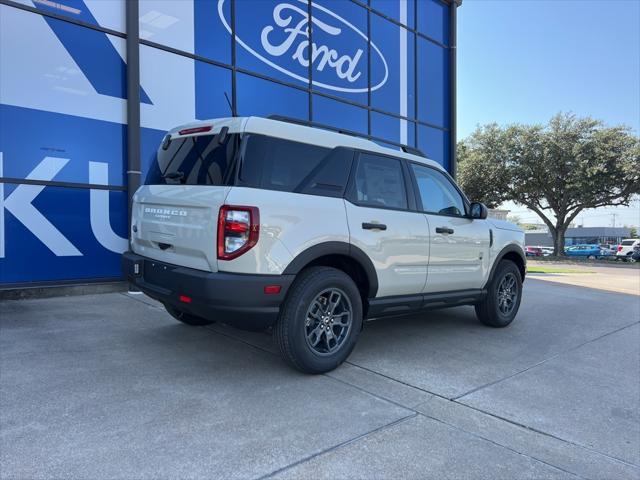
{"x": 437, "y": 192}
{"x": 197, "y": 160}
{"x": 279, "y": 164}
{"x": 379, "y": 182}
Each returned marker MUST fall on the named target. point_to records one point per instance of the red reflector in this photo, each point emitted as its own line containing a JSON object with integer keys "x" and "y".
{"x": 189, "y": 131}
{"x": 272, "y": 289}
{"x": 185, "y": 299}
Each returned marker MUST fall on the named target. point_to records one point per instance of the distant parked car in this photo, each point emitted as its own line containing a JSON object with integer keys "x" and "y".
{"x": 589, "y": 251}
{"x": 547, "y": 251}
{"x": 533, "y": 251}
{"x": 625, "y": 249}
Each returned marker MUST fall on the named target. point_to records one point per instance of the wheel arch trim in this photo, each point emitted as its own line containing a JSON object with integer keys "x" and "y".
{"x": 323, "y": 249}
{"x": 511, "y": 248}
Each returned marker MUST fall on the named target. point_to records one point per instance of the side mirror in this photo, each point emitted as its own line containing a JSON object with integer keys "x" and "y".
{"x": 478, "y": 211}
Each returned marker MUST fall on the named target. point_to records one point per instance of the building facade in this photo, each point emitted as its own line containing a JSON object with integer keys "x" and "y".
{"x": 581, "y": 235}
{"x": 73, "y": 147}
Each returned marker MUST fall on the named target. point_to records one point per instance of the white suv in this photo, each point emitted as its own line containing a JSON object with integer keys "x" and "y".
{"x": 263, "y": 223}
{"x": 625, "y": 249}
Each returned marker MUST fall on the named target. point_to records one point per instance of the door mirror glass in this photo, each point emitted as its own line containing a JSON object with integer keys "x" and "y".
{"x": 478, "y": 211}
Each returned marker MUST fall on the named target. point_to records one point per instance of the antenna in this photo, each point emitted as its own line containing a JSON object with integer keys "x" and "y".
{"x": 229, "y": 103}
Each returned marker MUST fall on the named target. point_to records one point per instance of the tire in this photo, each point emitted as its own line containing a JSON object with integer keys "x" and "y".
{"x": 299, "y": 333}
{"x": 187, "y": 318}
{"x": 491, "y": 311}
{"x": 591, "y": 257}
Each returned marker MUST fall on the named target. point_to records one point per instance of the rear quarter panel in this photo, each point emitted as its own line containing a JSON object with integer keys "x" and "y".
{"x": 290, "y": 223}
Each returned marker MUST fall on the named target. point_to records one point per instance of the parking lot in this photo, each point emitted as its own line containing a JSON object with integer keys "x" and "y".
{"x": 110, "y": 386}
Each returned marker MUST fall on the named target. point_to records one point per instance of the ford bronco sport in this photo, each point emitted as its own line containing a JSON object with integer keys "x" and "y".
{"x": 261, "y": 223}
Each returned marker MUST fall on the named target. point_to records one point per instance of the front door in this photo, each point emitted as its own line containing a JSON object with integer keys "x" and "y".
{"x": 380, "y": 224}
{"x": 459, "y": 254}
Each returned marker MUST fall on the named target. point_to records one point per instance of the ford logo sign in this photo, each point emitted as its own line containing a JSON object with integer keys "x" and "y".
{"x": 337, "y": 53}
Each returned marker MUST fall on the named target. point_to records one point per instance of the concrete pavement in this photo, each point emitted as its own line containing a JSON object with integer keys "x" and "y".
{"x": 620, "y": 278}
{"x": 110, "y": 386}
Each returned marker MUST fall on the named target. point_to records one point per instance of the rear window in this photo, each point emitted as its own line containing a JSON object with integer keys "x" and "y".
{"x": 279, "y": 164}
{"x": 628, "y": 242}
{"x": 197, "y": 160}
{"x": 379, "y": 182}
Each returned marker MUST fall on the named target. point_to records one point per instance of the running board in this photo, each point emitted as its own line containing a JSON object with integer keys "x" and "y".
{"x": 406, "y": 304}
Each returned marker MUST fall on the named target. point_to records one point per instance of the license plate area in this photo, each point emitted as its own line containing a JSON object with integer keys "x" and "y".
{"x": 157, "y": 273}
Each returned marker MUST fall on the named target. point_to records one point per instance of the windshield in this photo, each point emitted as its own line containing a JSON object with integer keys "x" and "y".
{"x": 196, "y": 160}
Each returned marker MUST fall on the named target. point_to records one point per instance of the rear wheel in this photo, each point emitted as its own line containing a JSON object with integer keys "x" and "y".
{"x": 504, "y": 292}
{"x": 187, "y": 317}
{"x": 320, "y": 320}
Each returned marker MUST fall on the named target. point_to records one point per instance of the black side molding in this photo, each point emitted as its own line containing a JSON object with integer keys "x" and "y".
{"x": 405, "y": 304}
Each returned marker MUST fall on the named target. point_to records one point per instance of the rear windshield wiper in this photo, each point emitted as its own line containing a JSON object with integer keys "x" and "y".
{"x": 178, "y": 175}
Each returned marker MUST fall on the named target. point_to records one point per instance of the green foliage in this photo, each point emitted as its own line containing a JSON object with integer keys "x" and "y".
{"x": 556, "y": 170}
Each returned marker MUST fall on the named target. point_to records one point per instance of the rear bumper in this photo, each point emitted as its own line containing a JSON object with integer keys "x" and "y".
{"x": 236, "y": 299}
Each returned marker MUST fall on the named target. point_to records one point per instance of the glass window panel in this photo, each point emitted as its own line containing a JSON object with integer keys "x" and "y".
{"x": 435, "y": 144}
{"x": 68, "y": 210}
{"x": 280, "y": 164}
{"x": 379, "y": 182}
{"x": 433, "y": 20}
{"x": 396, "y": 94}
{"x": 212, "y": 83}
{"x": 402, "y": 11}
{"x": 340, "y": 52}
{"x": 272, "y": 39}
{"x": 260, "y": 97}
{"x": 433, "y": 77}
{"x": 437, "y": 193}
{"x": 386, "y": 127}
{"x": 211, "y": 37}
{"x": 68, "y": 144}
{"x": 339, "y": 114}
{"x": 171, "y": 82}
{"x": 195, "y": 160}
{"x": 104, "y": 14}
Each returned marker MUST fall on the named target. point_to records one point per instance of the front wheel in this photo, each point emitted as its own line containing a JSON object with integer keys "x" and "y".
{"x": 320, "y": 320}
{"x": 504, "y": 292}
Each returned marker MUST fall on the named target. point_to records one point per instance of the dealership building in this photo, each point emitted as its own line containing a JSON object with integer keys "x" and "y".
{"x": 88, "y": 88}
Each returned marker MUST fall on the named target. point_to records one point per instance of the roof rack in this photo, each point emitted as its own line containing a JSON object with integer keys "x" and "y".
{"x": 308, "y": 123}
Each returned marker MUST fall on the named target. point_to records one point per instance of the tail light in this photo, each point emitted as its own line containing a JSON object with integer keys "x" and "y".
{"x": 238, "y": 230}
{"x": 619, "y": 248}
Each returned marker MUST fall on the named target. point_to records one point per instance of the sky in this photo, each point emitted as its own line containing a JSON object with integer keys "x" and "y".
{"x": 525, "y": 60}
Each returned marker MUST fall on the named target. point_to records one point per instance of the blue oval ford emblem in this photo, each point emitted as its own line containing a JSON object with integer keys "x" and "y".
{"x": 337, "y": 52}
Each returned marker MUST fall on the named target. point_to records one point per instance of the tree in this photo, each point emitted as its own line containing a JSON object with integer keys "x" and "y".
{"x": 556, "y": 170}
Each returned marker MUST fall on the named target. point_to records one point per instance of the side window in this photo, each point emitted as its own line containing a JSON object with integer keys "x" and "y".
{"x": 379, "y": 182}
{"x": 279, "y": 164}
{"x": 437, "y": 192}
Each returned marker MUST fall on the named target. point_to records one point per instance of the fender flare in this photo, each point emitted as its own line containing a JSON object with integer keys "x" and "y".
{"x": 336, "y": 248}
{"x": 512, "y": 247}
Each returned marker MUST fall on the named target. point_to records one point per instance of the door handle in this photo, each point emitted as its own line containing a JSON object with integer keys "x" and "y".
{"x": 444, "y": 230}
{"x": 374, "y": 226}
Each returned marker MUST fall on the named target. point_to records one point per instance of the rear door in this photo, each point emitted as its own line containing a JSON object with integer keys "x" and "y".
{"x": 459, "y": 255}
{"x": 175, "y": 214}
{"x": 382, "y": 224}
